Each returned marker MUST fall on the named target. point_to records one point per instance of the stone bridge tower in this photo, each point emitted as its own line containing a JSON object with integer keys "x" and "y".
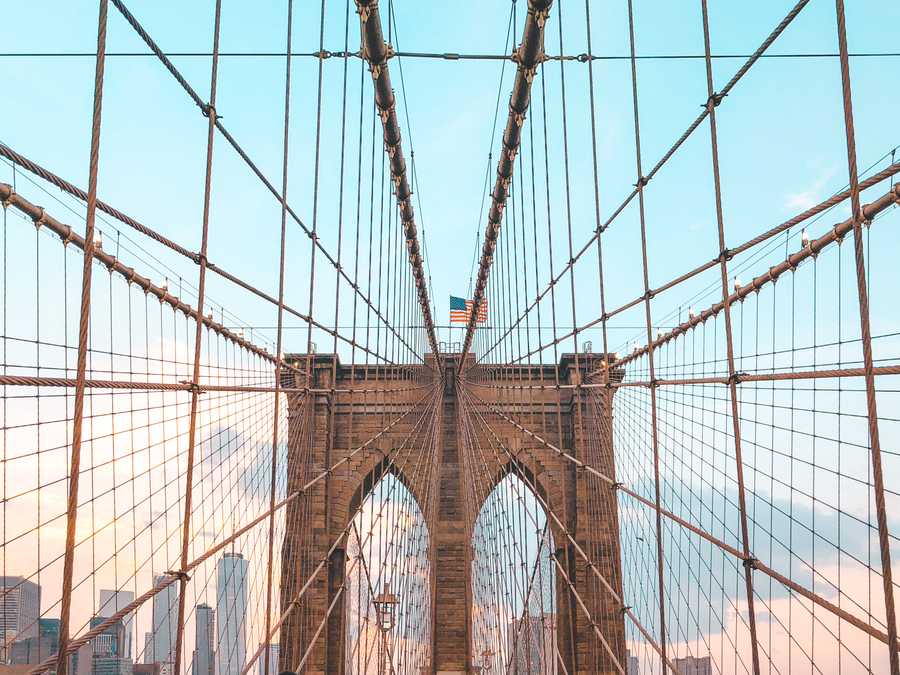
{"x": 326, "y": 428}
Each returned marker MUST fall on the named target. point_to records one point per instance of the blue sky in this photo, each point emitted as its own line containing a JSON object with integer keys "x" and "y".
{"x": 780, "y": 130}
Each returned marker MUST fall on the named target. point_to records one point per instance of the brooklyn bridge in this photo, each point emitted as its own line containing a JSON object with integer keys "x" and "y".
{"x": 655, "y": 430}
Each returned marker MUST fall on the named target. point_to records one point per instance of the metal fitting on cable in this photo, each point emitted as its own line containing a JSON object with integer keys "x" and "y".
{"x": 735, "y": 378}
{"x": 365, "y": 9}
{"x": 181, "y": 575}
{"x": 713, "y": 101}
{"x": 9, "y": 199}
{"x": 70, "y": 236}
{"x": 38, "y": 219}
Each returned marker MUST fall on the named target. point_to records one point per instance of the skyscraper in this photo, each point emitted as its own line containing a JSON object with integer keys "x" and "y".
{"x": 165, "y": 620}
{"x": 108, "y": 657}
{"x": 231, "y": 610}
{"x": 148, "y": 649}
{"x": 632, "y": 666}
{"x": 110, "y": 603}
{"x": 273, "y": 661}
{"x": 20, "y": 603}
{"x": 690, "y": 665}
{"x": 532, "y": 643}
{"x": 34, "y": 650}
{"x": 205, "y": 627}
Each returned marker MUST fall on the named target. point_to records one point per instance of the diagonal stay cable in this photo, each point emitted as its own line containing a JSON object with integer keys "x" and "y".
{"x": 529, "y": 56}
{"x": 758, "y": 565}
{"x": 204, "y": 107}
{"x": 377, "y": 52}
{"x": 170, "y": 578}
{"x": 642, "y": 181}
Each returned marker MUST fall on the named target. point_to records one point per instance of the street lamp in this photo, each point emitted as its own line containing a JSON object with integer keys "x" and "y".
{"x": 386, "y": 612}
{"x": 486, "y": 657}
{"x": 385, "y": 608}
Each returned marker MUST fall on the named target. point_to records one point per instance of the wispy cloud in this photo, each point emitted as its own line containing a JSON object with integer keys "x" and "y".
{"x": 800, "y": 201}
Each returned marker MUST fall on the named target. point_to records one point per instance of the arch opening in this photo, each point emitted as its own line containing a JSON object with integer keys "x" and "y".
{"x": 513, "y": 582}
{"x": 387, "y": 608}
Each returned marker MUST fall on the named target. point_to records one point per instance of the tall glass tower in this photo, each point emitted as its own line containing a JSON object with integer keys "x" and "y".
{"x": 231, "y": 611}
{"x": 205, "y": 629}
{"x": 165, "y": 620}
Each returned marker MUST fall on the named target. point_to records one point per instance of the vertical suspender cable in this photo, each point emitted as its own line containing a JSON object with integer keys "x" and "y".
{"x": 267, "y": 667}
{"x": 83, "y": 327}
{"x": 377, "y": 52}
{"x": 529, "y": 56}
{"x": 210, "y": 111}
{"x": 857, "y": 218}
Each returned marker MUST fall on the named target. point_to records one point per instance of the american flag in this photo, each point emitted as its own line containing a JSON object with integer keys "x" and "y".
{"x": 461, "y": 310}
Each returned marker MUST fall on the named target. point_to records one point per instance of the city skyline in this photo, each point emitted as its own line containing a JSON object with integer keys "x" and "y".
{"x": 30, "y": 638}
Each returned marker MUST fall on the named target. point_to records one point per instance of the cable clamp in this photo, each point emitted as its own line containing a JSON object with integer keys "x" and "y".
{"x": 641, "y": 182}
{"x": 541, "y": 17}
{"x": 530, "y": 72}
{"x": 209, "y": 109}
{"x": 750, "y": 562}
{"x": 365, "y": 12}
{"x": 70, "y": 235}
{"x": 713, "y": 101}
{"x": 180, "y": 574}
{"x": 584, "y": 58}
{"x": 725, "y": 255}
{"x": 649, "y": 293}
{"x": 8, "y": 201}
{"x": 391, "y": 151}
{"x": 625, "y": 609}
{"x": 838, "y": 235}
{"x": 192, "y": 386}
{"x": 323, "y": 54}
{"x": 617, "y": 485}
{"x": 40, "y": 219}
{"x": 736, "y": 378}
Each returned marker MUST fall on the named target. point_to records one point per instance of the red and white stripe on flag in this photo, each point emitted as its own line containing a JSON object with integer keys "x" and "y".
{"x": 459, "y": 315}
{"x": 482, "y": 309}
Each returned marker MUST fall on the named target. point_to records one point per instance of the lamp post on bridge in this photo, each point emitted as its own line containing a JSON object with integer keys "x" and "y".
{"x": 385, "y": 609}
{"x": 486, "y": 662}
